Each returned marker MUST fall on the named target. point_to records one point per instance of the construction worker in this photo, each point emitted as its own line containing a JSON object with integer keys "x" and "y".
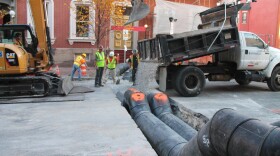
{"x": 17, "y": 39}
{"x": 134, "y": 60}
{"x": 111, "y": 66}
{"x": 80, "y": 59}
{"x": 99, "y": 64}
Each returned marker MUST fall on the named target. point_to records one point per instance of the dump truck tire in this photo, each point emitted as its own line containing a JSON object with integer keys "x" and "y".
{"x": 190, "y": 81}
{"x": 274, "y": 81}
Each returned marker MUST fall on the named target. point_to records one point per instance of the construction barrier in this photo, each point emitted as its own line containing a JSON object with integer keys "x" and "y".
{"x": 83, "y": 69}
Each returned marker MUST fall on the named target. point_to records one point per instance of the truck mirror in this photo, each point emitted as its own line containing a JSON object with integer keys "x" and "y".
{"x": 265, "y": 46}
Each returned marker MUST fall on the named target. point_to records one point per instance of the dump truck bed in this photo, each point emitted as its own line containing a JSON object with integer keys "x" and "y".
{"x": 168, "y": 49}
{"x": 217, "y": 33}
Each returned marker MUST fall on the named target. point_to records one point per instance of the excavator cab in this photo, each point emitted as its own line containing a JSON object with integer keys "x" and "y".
{"x": 21, "y": 35}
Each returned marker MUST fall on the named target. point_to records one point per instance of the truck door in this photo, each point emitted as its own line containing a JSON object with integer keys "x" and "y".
{"x": 255, "y": 54}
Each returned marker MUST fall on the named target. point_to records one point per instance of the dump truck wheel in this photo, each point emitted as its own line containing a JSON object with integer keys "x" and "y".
{"x": 190, "y": 81}
{"x": 274, "y": 81}
{"x": 243, "y": 82}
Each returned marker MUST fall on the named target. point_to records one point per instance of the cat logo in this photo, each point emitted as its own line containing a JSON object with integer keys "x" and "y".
{"x": 11, "y": 55}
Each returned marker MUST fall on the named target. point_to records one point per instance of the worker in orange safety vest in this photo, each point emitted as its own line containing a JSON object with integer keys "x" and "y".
{"x": 80, "y": 59}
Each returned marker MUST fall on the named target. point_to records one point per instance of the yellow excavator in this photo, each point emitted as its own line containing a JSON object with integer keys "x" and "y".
{"x": 26, "y": 57}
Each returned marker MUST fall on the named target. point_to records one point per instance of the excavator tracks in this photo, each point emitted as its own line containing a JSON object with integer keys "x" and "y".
{"x": 25, "y": 86}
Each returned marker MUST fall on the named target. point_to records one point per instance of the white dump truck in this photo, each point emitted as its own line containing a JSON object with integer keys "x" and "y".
{"x": 238, "y": 55}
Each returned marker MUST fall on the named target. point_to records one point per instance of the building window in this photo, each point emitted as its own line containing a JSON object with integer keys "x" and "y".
{"x": 244, "y": 17}
{"x": 49, "y": 5}
{"x": 81, "y": 22}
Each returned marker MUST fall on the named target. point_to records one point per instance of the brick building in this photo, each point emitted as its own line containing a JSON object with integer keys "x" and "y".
{"x": 67, "y": 43}
{"x": 261, "y": 17}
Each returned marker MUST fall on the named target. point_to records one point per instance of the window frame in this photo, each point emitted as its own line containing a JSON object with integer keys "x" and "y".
{"x": 244, "y": 17}
{"x": 72, "y": 34}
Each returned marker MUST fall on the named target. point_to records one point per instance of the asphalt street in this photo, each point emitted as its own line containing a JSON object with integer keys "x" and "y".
{"x": 99, "y": 125}
{"x": 254, "y": 100}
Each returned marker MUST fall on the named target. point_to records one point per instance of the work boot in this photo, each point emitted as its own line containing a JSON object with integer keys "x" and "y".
{"x": 97, "y": 86}
{"x": 101, "y": 85}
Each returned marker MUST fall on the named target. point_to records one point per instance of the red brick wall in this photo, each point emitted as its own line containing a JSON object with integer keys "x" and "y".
{"x": 62, "y": 26}
{"x": 278, "y": 28}
{"x": 263, "y": 21}
{"x": 21, "y": 12}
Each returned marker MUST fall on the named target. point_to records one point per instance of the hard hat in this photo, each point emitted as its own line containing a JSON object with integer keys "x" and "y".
{"x": 100, "y": 47}
{"x": 84, "y": 54}
{"x": 111, "y": 53}
{"x": 134, "y": 51}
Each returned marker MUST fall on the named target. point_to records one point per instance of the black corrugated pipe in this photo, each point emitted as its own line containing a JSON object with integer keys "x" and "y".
{"x": 161, "y": 108}
{"x": 163, "y": 139}
{"x": 121, "y": 68}
{"x": 229, "y": 133}
{"x": 277, "y": 123}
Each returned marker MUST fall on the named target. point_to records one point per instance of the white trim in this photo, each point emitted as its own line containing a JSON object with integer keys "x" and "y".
{"x": 72, "y": 34}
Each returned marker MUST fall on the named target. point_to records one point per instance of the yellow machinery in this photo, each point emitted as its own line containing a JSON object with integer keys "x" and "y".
{"x": 26, "y": 56}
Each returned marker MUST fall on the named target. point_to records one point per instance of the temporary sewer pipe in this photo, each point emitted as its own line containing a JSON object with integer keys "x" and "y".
{"x": 228, "y": 133}
{"x": 161, "y": 108}
{"x": 163, "y": 139}
{"x": 277, "y": 123}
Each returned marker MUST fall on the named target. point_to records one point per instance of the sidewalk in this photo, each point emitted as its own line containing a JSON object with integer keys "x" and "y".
{"x": 99, "y": 125}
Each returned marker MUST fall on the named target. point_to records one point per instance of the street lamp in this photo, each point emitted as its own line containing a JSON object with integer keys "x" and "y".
{"x": 12, "y": 13}
{"x": 146, "y": 26}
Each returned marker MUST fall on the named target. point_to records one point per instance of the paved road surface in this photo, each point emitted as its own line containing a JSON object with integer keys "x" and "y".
{"x": 99, "y": 125}
{"x": 255, "y": 100}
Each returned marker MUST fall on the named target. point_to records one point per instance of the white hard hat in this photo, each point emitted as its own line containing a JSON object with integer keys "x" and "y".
{"x": 111, "y": 53}
{"x": 134, "y": 51}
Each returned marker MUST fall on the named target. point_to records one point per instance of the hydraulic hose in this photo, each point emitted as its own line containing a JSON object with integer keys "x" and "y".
{"x": 163, "y": 139}
{"x": 161, "y": 108}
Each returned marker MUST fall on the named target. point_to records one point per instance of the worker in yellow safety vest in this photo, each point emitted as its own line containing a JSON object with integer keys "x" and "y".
{"x": 111, "y": 66}
{"x": 133, "y": 61}
{"x": 80, "y": 59}
{"x": 99, "y": 64}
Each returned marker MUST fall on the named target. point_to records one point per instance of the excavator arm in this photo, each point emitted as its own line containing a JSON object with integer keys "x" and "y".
{"x": 139, "y": 11}
{"x": 42, "y": 32}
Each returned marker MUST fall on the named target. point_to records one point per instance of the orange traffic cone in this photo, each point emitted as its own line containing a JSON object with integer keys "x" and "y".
{"x": 83, "y": 69}
{"x": 57, "y": 70}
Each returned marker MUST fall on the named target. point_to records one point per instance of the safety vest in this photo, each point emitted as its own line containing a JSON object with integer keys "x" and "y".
{"x": 100, "y": 59}
{"x": 131, "y": 59}
{"x": 112, "y": 63}
{"x": 79, "y": 61}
